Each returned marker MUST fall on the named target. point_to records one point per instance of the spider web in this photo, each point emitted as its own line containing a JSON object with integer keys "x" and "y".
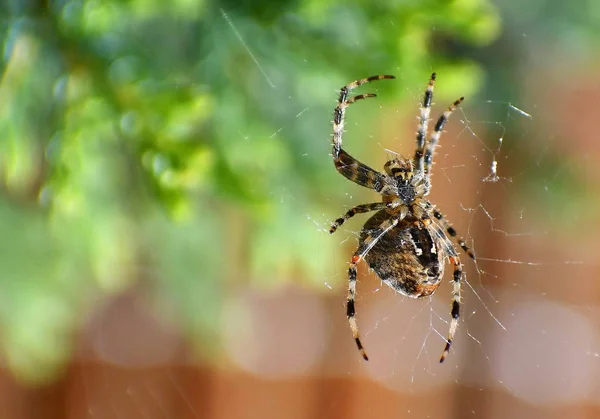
{"x": 514, "y": 325}
{"x": 517, "y": 317}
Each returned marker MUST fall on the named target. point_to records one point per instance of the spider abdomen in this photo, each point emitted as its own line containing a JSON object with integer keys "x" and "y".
{"x": 407, "y": 258}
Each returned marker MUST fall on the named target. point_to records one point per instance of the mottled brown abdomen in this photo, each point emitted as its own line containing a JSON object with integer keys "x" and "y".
{"x": 406, "y": 257}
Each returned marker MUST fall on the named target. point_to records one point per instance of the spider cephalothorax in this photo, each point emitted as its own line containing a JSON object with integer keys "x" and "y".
{"x": 407, "y": 185}
{"x": 406, "y": 242}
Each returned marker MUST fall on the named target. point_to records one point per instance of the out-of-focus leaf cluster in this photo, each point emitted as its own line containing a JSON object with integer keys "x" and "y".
{"x": 178, "y": 145}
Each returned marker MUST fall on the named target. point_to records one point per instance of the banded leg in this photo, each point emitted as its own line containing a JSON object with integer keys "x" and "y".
{"x": 423, "y": 122}
{"x": 363, "y": 248}
{"x": 437, "y": 133}
{"x": 359, "y": 209}
{"x": 347, "y": 165}
{"x": 452, "y": 232}
{"x": 455, "y": 311}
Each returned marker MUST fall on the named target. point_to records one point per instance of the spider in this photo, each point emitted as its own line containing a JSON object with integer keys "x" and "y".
{"x": 406, "y": 242}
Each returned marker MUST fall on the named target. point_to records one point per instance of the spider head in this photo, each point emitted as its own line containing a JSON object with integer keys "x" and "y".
{"x": 400, "y": 169}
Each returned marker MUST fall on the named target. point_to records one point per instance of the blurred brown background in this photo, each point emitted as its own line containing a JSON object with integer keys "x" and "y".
{"x": 167, "y": 190}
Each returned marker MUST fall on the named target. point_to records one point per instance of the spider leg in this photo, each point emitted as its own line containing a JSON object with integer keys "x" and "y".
{"x": 359, "y": 209}
{"x": 363, "y": 248}
{"x": 437, "y": 133}
{"x": 423, "y": 122}
{"x": 452, "y": 232}
{"x": 455, "y": 312}
{"x": 347, "y": 165}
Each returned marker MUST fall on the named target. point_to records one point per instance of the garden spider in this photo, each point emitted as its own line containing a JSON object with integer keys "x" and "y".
{"x": 404, "y": 242}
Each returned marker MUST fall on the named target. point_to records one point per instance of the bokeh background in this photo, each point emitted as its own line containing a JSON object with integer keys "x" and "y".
{"x": 166, "y": 189}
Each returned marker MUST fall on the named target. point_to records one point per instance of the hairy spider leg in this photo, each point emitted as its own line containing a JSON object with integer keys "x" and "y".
{"x": 437, "y": 133}
{"x": 363, "y": 248}
{"x": 345, "y": 164}
{"x": 425, "y": 110}
{"x": 452, "y": 232}
{"x": 457, "y": 277}
{"x": 455, "y": 311}
{"x": 359, "y": 209}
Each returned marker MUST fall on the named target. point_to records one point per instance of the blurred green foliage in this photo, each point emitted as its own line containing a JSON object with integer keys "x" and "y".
{"x": 159, "y": 144}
